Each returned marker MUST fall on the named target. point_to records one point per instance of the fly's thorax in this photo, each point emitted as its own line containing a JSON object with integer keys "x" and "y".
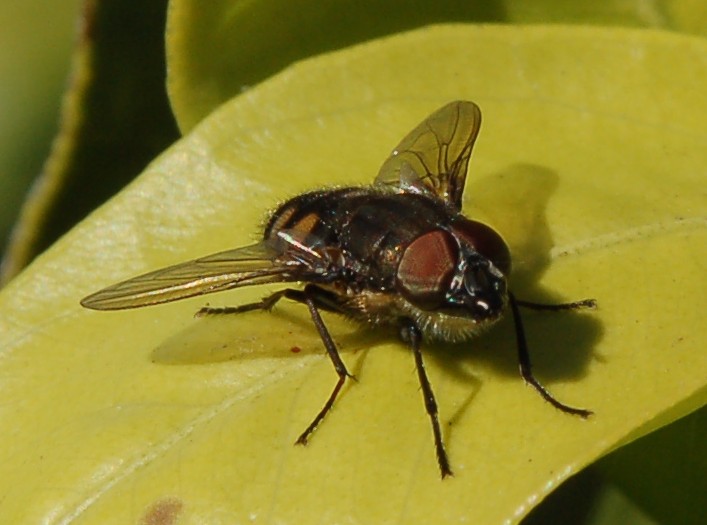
{"x": 376, "y": 228}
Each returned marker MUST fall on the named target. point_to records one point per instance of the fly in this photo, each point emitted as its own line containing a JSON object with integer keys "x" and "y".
{"x": 397, "y": 253}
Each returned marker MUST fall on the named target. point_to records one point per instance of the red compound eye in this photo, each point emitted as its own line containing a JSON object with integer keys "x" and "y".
{"x": 486, "y": 241}
{"x": 427, "y": 267}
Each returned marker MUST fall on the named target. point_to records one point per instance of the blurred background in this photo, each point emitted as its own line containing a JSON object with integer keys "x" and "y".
{"x": 35, "y": 54}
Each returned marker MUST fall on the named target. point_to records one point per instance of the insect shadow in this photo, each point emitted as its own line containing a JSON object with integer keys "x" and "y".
{"x": 515, "y": 201}
{"x": 241, "y": 337}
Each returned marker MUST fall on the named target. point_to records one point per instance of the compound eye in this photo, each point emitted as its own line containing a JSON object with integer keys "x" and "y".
{"x": 426, "y": 269}
{"x": 486, "y": 241}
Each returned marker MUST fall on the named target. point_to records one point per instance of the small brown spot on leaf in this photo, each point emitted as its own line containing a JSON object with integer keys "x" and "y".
{"x": 163, "y": 512}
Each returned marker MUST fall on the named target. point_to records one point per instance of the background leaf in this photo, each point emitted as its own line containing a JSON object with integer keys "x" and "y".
{"x": 116, "y": 416}
{"x": 675, "y": 456}
{"x": 115, "y": 119}
{"x": 219, "y": 50}
{"x": 34, "y": 55}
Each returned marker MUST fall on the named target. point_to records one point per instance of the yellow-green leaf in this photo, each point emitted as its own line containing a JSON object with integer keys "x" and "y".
{"x": 590, "y": 162}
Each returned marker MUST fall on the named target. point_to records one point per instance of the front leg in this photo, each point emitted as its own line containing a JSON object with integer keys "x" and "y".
{"x": 526, "y": 368}
{"x": 410, "y": 333}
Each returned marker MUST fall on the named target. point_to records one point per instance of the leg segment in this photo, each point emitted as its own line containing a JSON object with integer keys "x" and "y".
{"x": 309, "y": 297}
{"x": 267, "y": 304}
{"x": 315, "y": 299}
{"x": 584, "y": 303}
{"x": 321, "y": 299}
{"x": 411, "y": 334}
{"x": 524, "y": 357}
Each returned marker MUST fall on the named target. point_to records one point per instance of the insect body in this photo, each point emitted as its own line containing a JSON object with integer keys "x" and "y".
{"x": 396, "y": 253}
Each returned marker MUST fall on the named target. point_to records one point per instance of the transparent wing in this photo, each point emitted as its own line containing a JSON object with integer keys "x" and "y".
{"x": 257, "y": 264}
{"x": 434, "y": 156}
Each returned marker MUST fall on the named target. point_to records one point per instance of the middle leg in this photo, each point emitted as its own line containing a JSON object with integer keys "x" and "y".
{"x": 311, "y": 296}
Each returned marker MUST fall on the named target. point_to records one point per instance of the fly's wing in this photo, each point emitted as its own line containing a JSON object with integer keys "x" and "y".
{"x": 433, "y": 157}
{"x": 257, "y": 264}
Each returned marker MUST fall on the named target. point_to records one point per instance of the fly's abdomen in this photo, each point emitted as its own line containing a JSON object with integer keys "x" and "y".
{"x": 379, "y": 227}
{"x": 312, "y": 215}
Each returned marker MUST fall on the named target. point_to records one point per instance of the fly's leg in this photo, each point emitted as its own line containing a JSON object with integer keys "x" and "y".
{"x": 267, "y": 304}
{"x": 410, "y": 333}
{"x": 524, "y": 363}
{"x": 321, "y": 299}
{"x": 313, "y": 297}
{"x": 576, "y": 305}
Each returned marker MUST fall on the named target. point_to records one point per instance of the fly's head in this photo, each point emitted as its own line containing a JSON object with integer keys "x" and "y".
{"x": 455, "y": 279}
